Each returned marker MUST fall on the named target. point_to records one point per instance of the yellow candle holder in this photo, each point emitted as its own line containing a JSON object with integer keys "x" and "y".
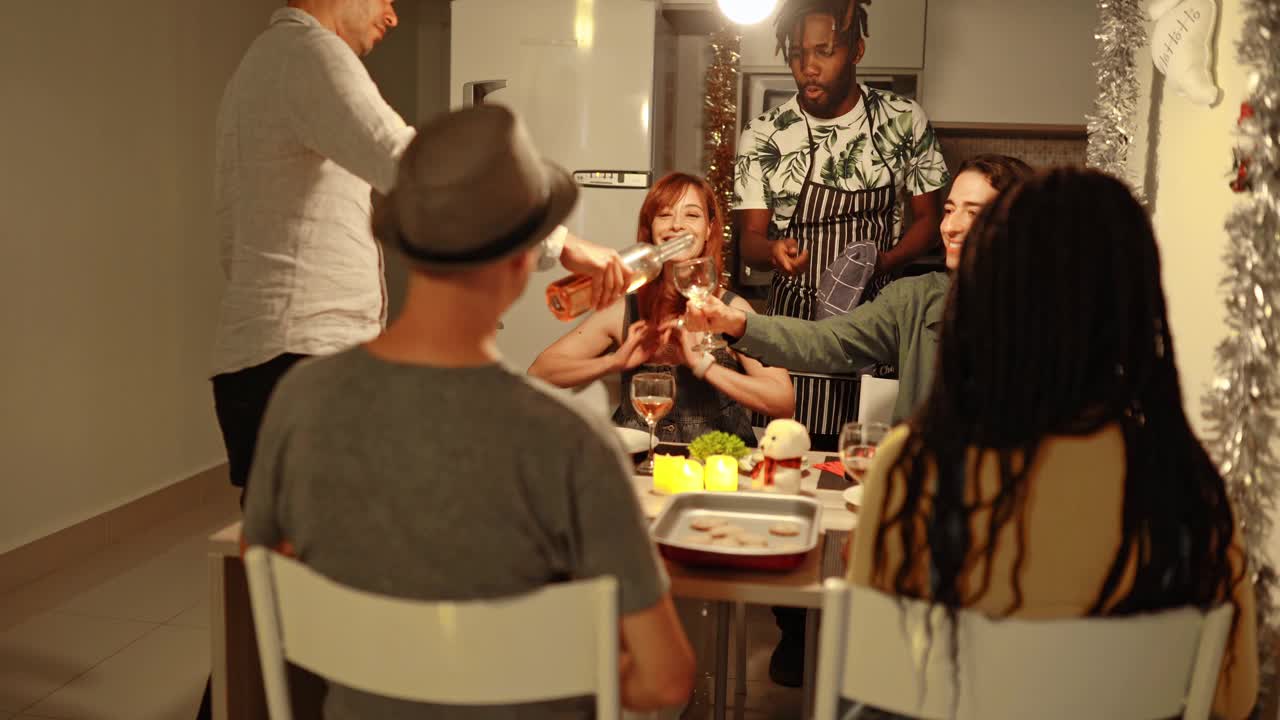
{"x": 690, "y": 477}
{"x": 666, "y": 472}
{"x": 721, "y": 474}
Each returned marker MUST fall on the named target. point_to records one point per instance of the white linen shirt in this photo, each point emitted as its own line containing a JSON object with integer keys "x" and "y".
{"x": 302, "y": 134}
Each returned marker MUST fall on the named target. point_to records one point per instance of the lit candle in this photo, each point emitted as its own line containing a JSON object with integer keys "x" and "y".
{"x": 690, "y": 477}
{"x": 721, "y": 474}
{"x": 666, "y": 469}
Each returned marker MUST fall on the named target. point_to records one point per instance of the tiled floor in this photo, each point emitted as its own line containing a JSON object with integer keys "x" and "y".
{"x": 765, "y": 701}
{"x": 124, "y": 635}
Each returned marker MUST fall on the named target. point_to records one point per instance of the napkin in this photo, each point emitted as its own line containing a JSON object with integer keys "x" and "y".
{"x": 835, "y": 467}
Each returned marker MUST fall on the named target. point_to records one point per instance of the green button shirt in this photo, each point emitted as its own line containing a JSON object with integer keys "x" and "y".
{"x": 900, "y": 327}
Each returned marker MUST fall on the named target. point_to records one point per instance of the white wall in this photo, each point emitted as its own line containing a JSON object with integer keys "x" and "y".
{"x": 110, "y": 280}
{"x": 411, "y": 68}
{"x": 1009, "y": 61}
{"x": 1186, "y": 173}
{"x": 1184, "y": 161}
{"x": 693, "y": 54}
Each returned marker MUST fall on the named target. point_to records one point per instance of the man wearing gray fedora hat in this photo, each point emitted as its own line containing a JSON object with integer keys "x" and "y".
{"x": 419, "y": 465}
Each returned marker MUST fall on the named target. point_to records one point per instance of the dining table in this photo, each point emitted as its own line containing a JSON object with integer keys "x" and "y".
{"x": 237, "y": 691}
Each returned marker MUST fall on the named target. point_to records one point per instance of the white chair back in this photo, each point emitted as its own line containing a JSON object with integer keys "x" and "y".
{"x": 557, "y": 642}
{"x": 876, "y": 649}
{"x": 597, "y": 399}
{"x": 876, "y": 398}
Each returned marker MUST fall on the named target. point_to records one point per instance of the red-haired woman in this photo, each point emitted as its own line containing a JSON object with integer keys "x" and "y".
{"x": 714, "y": 391}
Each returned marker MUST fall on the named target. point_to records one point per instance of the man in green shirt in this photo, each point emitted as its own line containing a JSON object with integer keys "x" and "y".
{"x": 899, "y": 328}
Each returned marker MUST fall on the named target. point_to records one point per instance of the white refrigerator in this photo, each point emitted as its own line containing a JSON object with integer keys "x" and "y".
{"x": 580, "y": 73}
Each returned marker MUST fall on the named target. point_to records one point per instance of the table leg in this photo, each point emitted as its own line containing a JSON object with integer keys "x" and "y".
{"x": 810, "y": 661}
{"x": 218, "y": 638}
{"x": 722, "y": 659}
{"x": 740, "y": 662}
{"x": 698, "y": 618}
{"x": 238, "y": 692}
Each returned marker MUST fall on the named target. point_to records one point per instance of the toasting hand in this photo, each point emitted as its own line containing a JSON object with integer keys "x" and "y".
{"x": 637, "y": 349}
{"x": 714, "y": 316}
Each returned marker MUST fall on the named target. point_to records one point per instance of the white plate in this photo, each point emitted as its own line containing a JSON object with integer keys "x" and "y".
{"x": 633, "y": 441}
{"x": 853, "y": 495}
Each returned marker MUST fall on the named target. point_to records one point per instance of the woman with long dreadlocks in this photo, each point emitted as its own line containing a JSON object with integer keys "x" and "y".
{"x": 1052, "y": 472}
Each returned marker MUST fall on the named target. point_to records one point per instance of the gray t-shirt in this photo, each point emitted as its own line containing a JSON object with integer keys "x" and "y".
{"x": 444, "y": 484}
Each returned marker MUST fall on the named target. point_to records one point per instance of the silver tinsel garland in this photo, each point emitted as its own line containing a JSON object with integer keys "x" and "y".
{"x": 1240, "y": 408}
{"x": 1122, "y": 30}
{"x": 720, "y": 133}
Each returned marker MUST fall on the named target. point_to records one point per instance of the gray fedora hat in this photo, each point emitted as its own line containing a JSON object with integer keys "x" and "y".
{"x": 472, "y": 189}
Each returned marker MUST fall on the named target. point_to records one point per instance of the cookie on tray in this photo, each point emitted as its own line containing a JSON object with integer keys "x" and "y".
{"x": 784, "y": 529}
{"x": 707, "y": 523}
{"x": 698, "y": 538}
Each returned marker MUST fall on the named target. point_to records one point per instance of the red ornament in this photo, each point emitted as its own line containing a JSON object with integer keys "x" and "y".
{"x": 1241, "y": 181}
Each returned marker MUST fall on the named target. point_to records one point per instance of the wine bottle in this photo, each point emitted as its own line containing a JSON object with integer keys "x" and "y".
{"x": 570, "y": 296}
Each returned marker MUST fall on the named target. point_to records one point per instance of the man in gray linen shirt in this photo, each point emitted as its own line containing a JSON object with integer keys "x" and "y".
{"x": 417, "y": 465}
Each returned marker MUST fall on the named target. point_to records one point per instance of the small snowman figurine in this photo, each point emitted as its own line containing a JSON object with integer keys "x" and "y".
{"x": 784, "y": 444}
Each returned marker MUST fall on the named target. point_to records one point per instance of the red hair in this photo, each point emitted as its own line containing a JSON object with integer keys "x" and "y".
{"x": 657, "y": 301}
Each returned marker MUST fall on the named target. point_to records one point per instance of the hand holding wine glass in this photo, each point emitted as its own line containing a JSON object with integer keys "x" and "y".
{"x": 696, "y": 280}
{"x": 652, "y": 396}
{"x": 858, "y": 442}
{"x": 713, "y": 315}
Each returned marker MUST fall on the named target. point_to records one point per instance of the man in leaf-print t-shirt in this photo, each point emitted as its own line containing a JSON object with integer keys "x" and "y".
{"x": 773, "y": 152}
{"x": 862, "y": 138}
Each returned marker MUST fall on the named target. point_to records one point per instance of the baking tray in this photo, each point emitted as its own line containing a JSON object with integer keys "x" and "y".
{"x": 752, "y": 511}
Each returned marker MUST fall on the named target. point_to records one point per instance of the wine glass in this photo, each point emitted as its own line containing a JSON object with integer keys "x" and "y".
{"x": 858, "y": 442}
{"x": 696, "y": 280}
{"x": 652, "y": 395}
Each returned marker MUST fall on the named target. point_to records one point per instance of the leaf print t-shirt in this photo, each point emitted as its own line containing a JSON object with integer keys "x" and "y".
{"x": 773, "y": 155}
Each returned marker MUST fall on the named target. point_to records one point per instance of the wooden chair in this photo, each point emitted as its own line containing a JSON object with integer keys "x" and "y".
{"x": 875, "y": 649}
{"x": 560, "y": 641}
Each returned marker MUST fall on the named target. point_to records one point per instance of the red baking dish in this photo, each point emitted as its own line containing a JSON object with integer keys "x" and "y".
{"x": 754, "y": 512}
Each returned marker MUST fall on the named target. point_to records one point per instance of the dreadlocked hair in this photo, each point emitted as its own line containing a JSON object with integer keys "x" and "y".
{"x": 793, "y": 11}
{"x": 1056, "y": 325}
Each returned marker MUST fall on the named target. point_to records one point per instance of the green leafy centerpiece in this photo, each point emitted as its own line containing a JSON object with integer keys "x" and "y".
{"x": 717, "y": 443}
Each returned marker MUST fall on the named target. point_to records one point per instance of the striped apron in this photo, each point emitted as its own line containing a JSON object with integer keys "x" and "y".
{"x": 828, "y": 219}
